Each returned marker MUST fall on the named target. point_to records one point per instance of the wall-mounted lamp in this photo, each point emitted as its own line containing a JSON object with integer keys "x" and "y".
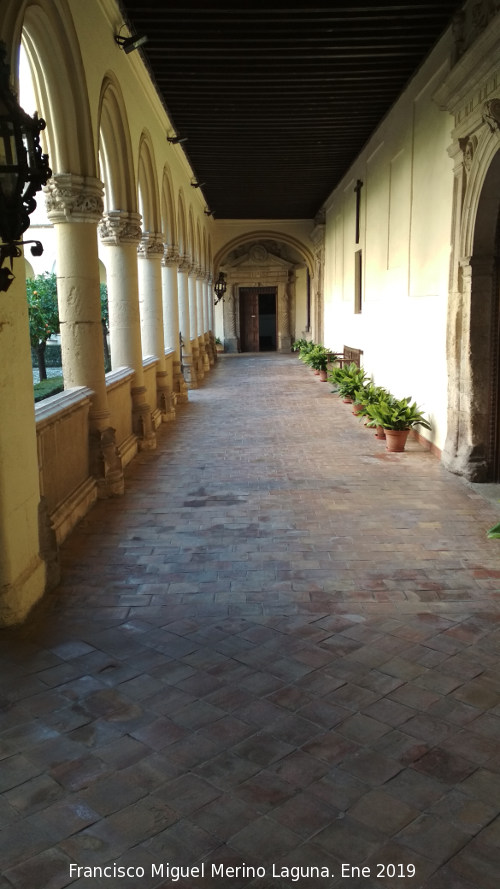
{"x": 128, "y": 44}
{"x": 195, "y": 184}
{"x": 208, "y": 212}
{"x": 220, "y": 287}
{"x": 23, "y": 171}
{"x": 177, "y": 140}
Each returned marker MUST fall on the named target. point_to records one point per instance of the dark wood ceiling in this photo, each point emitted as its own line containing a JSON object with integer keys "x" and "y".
{"x": 275, "y": 99}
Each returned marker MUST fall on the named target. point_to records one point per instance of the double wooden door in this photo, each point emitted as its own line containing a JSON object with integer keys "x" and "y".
{"x": 257, "y": 319}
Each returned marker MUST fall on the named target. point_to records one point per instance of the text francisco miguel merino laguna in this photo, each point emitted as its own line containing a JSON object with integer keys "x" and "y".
{"x": 222, "y": 871}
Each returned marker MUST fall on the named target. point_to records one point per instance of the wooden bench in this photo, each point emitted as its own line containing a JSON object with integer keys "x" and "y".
{"x": 348, "y": 356}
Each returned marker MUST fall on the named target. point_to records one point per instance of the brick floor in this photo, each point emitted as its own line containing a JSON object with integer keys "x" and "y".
{"x": 280, "y": 649}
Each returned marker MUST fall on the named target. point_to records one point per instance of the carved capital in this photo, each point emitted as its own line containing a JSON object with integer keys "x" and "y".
{"x": 73, "y": 198}
{"x": 171, "y": 255}
{"x": 119, "y": 227}
{"x": 185, "y": 263}
{"x": 151, "y": 245}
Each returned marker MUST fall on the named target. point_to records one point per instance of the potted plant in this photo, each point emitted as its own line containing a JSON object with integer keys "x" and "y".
{"x": 369, "y": 394}
{"x": 219, "y": 346}
{"x": 397, "y": 416}
{"x": 318, "y": 360}
{"x": 298, "y": 345}
{"x": 348, "y": 380}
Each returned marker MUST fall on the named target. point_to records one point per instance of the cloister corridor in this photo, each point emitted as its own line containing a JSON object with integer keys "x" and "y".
{"x": 279, "y": 649}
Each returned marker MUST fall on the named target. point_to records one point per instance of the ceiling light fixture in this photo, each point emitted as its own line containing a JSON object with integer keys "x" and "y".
{"x": 176, "y": 140}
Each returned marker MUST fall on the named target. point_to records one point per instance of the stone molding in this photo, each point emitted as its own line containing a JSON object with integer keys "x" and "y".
{"x": 471, "y": 21}
{"x": 119, "y": 227}
{"x": 70, "y": 197}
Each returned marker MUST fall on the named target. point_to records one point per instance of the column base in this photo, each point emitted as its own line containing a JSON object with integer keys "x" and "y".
{"x": 189, "y": 368}
{"x": 180, "y": 386}
{"x": 18, "y": 598}
{"x": 142, "y": 420}
{"x": 105, "y": 463}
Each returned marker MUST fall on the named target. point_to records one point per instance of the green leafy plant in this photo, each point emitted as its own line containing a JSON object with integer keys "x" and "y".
{"x": 397, "y": 413}
{"x": 299, "y": 344}
{"x": 494, "y": 533}
{"x": 317, "y": 358}
{"x": 348, "y": 380}
{"x": 43, "y": 314}
{"x": 305, "y": 348}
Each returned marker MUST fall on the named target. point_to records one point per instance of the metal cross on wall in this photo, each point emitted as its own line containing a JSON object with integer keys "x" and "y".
{"x": 357, "y": 189}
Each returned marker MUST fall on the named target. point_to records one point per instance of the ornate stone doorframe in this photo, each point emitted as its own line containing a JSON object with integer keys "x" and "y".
{"x": 259, "y": 268}
{"x": 471, "y": 92}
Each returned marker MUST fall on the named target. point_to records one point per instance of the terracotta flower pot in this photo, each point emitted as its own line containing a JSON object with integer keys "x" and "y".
{"x": 396, "y": 439}
{"x": 347, "y": 400}
{"x": 316, "y": 373}
{"x": 380, "y": 433}
{"x": 357, "y": 408}
{"x": 322, "y": 376}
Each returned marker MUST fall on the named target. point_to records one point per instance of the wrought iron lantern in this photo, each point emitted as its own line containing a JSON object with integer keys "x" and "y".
{"x": 23, "y": 171}
{"x": 220, "y": 287}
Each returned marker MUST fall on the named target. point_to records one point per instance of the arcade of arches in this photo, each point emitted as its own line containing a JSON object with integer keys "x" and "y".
{"x": 120, "y": 208}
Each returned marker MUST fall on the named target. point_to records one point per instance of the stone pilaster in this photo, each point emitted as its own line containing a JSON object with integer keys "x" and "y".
{"x": 120, "y": 233}
{"x": 202, "y": 324}
{"x": 74, "y": 206}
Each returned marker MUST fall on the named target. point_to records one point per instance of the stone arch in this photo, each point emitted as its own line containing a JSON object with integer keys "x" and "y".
{"x": 473, "y": 437}
{"x": 53, "y": 51}
{"x": 168, "y": 215}
{"x": 191, "y": 237}
{"x": 182, "y": 225}
{"x": 266, "y": 301}
{"x": 148, "y": 186}
{"x": 115, "y": 149}
{"x": 260, "y": 235}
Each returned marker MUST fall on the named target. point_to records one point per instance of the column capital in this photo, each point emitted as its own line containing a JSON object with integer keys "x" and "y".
{"x": 151, "y": 245}
{"x": 185, "y": 263}
{"x": 171, "y": 255}
{"x": 120, "y": 227}
{"x": 70, "y": 197}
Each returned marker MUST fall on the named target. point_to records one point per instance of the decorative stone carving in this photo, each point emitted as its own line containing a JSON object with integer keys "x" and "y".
{"x": 73, "y": 198}
{"x": 470, "y": 22}
{"x": 119, "y": 227}
{"x": 185, "y": 263}
{"x": 491, "y": 114}
{"x": 469, "y": 151}
{"x": 171, "y": 255}
{"x": 151, "y": 246}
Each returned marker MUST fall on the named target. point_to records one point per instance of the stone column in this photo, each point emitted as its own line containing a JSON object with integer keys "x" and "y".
{"x": 120, "y": 234}
{"x": 202, "y": 320}
{"x": 150, "y": 255}
{"x": 22, "y": 571}
{"x": 171, "y": 326}
{"x": 193, "y": 318}
{"x": 188, "y": 366}
{"x": 74, "y": 206}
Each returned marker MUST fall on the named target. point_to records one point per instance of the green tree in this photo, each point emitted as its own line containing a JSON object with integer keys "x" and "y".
{"x": 105, "y": 325}
{"x": 43, "y": 314}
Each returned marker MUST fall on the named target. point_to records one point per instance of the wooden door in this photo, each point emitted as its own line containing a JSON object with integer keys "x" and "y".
{"x": 249, "y": 319}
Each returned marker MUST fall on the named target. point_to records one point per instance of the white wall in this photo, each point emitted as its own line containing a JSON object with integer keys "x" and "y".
{"x": 405, "y": 235}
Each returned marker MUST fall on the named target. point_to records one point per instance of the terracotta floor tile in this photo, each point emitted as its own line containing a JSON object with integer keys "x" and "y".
{"x": 264, "y": 648}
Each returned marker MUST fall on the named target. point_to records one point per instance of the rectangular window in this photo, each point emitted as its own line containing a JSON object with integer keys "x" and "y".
{"x": 358, "y": 282}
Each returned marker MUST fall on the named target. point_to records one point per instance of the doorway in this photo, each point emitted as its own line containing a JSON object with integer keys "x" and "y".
{"x": 258, "y": 319}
